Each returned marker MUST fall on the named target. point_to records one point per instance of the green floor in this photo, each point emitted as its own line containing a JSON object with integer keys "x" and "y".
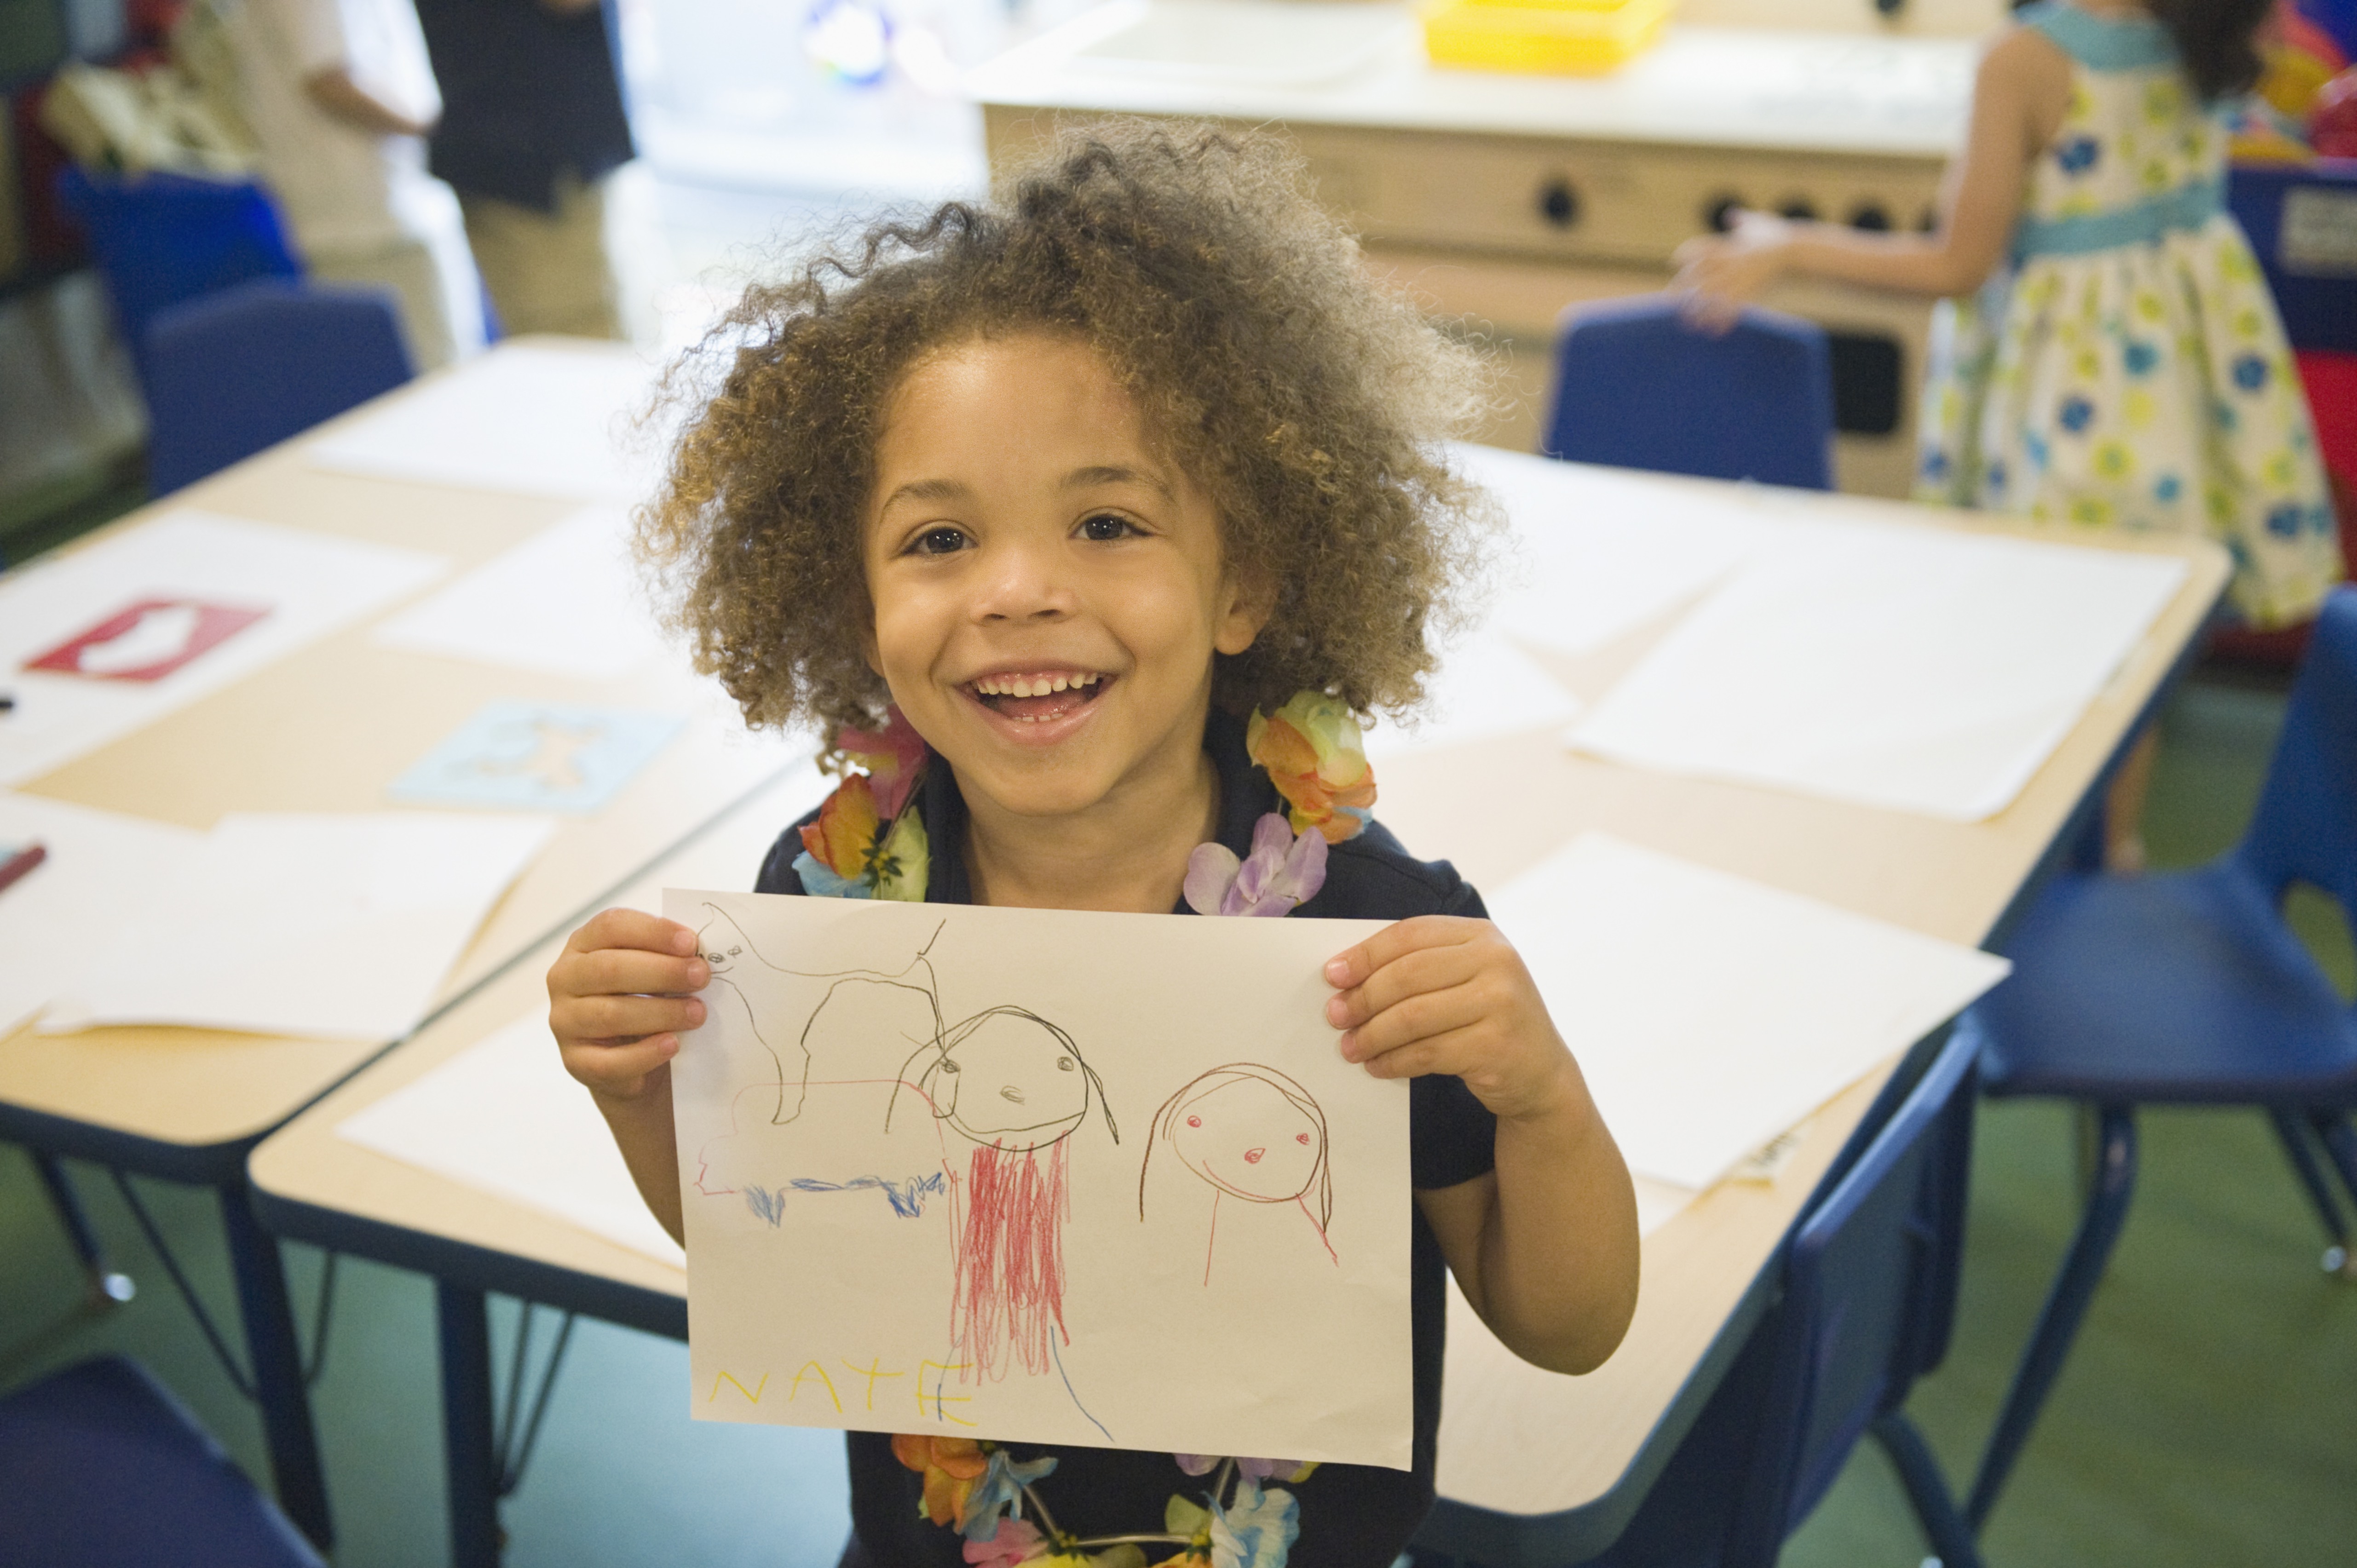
{"x": 2205, "y": 1418}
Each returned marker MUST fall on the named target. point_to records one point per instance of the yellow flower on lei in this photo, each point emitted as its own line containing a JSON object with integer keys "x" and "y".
{"x": 1314, "y": 753}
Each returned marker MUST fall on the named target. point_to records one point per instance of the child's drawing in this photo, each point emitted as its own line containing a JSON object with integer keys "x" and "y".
{"x": 538, "y": 757}
{"x": 872, "y": 1050}
{"x": 1253, "y": 1133}
{"x": 909, "y": 1147}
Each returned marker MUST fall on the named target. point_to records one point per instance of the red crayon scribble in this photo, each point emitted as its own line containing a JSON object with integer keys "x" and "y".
{"x": 1010, "y": 1264}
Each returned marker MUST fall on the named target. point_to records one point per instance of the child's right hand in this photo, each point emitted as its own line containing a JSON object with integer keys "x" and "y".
{"x": 618, "y": 994}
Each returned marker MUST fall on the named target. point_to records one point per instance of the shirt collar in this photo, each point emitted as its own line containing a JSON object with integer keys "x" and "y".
{"x": 1245, "y": 796}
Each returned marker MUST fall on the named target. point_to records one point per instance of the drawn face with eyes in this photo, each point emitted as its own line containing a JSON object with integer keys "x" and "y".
{"x": 1246, "y": 1135}
{"x": 1010, "y": 1080}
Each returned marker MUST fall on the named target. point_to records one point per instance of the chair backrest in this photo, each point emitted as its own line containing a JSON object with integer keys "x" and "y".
{"x": 2306, "y": 827}
{"x": 161, "y": 238}
{"x": 243, "y": 369}
{"x": 1870, "y": 1289}
{"x": 103, "y": 1469}
{"x": 1638, "y": 387}
{"x": 1869, "y": 1297}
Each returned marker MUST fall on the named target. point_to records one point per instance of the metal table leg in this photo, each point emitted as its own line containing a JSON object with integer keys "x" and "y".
{"x": 277, "y": 1362}
{"x": 464, "y": 1318}
{"x": 107, "y": 1286}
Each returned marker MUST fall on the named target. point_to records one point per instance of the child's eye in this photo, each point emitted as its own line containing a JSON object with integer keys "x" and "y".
{"x": 1106, "y": 526}
{"x": 938, "y": 541}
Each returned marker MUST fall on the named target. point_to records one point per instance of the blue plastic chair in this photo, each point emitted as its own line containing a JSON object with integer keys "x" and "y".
{"x": 1638, "y": 387}
{"x": 163, "y": 238}
{"x": 2189, "y": 988}
{"x": 101, "y": 1467}
{"x": 1869, "y": 1297}
{"x": 244, "y": 369}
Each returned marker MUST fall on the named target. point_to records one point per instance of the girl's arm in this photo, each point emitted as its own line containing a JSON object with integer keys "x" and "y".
{"x": 616, "y": 995}
{"x": 1546, "y": 1246}
{"x": 2019, "y": 96}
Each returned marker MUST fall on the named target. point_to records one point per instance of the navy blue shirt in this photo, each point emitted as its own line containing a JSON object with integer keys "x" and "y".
{"x": 526, "y": 96}
{"x": 1353, "y": 1516}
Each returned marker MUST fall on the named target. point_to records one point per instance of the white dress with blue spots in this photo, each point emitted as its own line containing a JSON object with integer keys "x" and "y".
{"x": 2128, "y": 369}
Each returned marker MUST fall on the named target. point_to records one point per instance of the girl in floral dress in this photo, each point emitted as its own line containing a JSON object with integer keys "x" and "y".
{"x": 1089, "y": 523}
{"x": 2108, "y": 356}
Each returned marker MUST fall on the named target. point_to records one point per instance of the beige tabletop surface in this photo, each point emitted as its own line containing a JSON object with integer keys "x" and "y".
{"x": 1514, "y": 1438}
{"x": 325, "y": 729}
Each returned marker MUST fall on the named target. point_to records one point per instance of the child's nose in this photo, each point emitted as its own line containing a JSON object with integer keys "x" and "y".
{"x": 1025, "y": 582}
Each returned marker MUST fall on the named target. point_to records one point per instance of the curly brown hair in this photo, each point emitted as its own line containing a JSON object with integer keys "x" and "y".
{"x": 1307, "y": 403}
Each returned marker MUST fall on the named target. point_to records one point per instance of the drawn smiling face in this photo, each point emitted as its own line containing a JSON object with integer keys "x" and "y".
{"x": 1246, "y": 1137}
{"x": 1009, "y": 1079}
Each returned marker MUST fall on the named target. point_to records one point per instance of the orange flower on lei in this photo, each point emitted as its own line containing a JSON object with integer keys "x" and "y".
{"x": 1314, "y": 755}
{"x": 950, "y": 1467}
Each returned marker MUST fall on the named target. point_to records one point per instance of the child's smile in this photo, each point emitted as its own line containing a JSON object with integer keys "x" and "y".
{"x": 1050, "y": 590}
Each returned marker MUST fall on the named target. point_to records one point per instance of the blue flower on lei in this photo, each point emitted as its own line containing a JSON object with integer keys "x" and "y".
{"x": 1001, "y": 1488}
{"x": 1255, "y": 1531}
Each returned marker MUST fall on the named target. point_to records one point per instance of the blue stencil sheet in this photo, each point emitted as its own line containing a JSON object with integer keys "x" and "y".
{"x": 537, "y": 756}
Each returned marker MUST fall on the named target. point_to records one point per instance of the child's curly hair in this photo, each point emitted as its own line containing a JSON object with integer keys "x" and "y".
{"x": 1305, "y": 402}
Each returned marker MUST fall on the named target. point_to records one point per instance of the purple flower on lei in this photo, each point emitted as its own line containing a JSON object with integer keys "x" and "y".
{"x": 1284, "y": 870}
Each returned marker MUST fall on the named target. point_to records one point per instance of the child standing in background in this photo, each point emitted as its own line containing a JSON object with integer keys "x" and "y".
{"x": 2110, "y": 356}
{"x": 340, "y": 97}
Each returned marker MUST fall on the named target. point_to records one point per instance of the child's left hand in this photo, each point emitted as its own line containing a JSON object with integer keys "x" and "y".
{"x": 1443, "y": 994}
{"x": 1722, "y": 273}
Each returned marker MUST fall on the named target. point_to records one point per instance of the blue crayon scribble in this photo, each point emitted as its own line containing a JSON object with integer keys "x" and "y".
{"x": 907, "y": 1197}
{"x": 770, "y": 1205}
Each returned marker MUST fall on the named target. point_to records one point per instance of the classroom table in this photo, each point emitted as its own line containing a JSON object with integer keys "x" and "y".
{"x": 1533, "y": 1467}
{"x": 325, "y": 729}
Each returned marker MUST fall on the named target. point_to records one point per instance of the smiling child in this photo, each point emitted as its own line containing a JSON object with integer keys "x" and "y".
{"x": 1091, "y": 521}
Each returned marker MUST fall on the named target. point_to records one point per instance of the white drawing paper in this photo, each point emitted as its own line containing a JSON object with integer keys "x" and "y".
{"x": 1043, "y": 1176}
{"x": 101, "y": 867}
{"x": 503, "y": 1117}
{"x": 1600, "y": 552}
{"x": 305, "y": 584}
{"x": 564, "y": 602}
{"x": 1709, "y": 1013}
{"x": 1485, "y": 687}
{"x": 317, "y": 925}
{"x": 527, "y": 417}
{"x": 1916, "y": 669}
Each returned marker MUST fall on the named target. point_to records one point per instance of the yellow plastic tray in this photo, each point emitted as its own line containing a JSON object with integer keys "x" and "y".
{"x": 1558, "y": 36}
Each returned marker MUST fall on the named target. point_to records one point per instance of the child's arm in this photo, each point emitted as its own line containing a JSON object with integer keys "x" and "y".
{"x": 616, "y": 997}
{"x": 2018, "y": 99}
{"x": 1545, "y": 1246}
{"x": 337, "y": 94}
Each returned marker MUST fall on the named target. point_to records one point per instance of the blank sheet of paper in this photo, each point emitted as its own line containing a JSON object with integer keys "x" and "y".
{"x": 1710, "y": 1014}
{"x": 315, "y": 925}
{"x": 139, "y": 625}
{"x": 564, "y": 602}
{"x": 1916, "y": 669}
{"x": 101, "y": 867}
{"x": 1602, "y": 551}
{"x": 1485, "y": 687}
{"x": 502, "y": 1116}
{"x": 544, "y": 421}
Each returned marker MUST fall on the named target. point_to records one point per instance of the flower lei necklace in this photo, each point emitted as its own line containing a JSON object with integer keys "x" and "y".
{"x": 868, "y": 842}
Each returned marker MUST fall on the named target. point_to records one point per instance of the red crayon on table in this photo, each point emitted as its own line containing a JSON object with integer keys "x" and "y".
{"x": 23, "y": 861}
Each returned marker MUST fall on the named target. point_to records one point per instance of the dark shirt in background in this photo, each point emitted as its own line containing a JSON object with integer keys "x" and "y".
{"x": 527, "y": 94}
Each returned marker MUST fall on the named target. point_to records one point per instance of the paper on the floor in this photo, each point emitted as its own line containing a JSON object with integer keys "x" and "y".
{"x": 1603, "y": 550}
{"x": 564, "y": 602}
{"x": 98, "y": 641}
{"x": 1917, "y": 669}
{"x": 1709, "y": 1013}
{"x": 100, "y": 866}
{"x": 314, "y": 925}
{"x": 544, "y": 421}
{"x": 1485, "y": 687}
{"x": 502, "y": 1116}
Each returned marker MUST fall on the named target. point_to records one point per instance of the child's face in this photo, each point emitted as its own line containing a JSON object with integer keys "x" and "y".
{"x": 1022, "y": 537}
